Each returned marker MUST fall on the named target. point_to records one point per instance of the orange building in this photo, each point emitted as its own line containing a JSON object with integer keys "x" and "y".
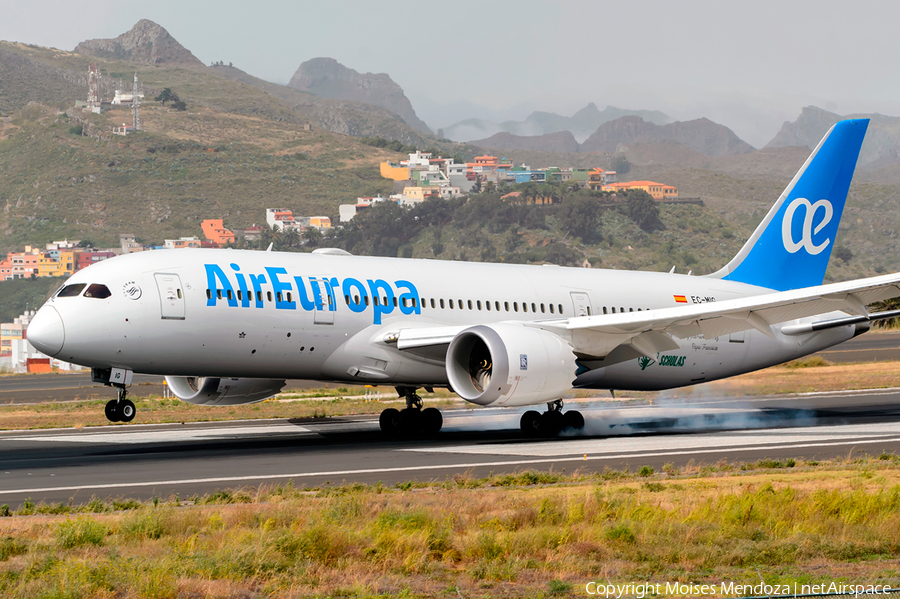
{"x": 214, "y": 230}
{"x": 657, "y": 191}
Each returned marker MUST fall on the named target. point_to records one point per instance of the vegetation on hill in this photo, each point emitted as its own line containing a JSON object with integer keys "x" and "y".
{"x": 19, "y": 295}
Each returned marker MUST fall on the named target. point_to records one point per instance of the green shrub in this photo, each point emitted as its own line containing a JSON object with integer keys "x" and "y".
{"x": 81, "y": 531}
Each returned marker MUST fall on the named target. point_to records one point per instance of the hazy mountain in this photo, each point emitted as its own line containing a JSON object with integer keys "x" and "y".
{"x": 581, "y": 124}
{"x": 881, "y": 147}
{"x": 561, "y": 141}
{"x": 327, "y": 78}
{"x": 701, "y": 135}
{"x": 145, "y": 43}
{"x": 28, "y": 80}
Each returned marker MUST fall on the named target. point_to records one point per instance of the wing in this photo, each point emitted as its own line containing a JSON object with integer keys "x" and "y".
{"x": 651, "y": 331}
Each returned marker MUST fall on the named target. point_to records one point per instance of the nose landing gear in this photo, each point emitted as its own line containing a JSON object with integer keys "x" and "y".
{"x": 551, "y": 422}
{"x": 413, "y": 419}
{"x": 120, "y": 409}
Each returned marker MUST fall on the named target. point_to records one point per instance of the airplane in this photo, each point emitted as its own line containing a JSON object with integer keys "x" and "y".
{"x": 228, "y": 326}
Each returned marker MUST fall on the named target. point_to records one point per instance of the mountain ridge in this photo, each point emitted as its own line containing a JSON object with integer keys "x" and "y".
{"x": 146, "y": 43}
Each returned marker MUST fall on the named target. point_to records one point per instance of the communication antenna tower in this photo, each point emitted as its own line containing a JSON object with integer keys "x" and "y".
{"x": 136, "y": 106}
{"x": 93, "y": 101}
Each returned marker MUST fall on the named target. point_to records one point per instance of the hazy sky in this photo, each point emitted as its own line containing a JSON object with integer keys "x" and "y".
{"x": 748, "y": 65}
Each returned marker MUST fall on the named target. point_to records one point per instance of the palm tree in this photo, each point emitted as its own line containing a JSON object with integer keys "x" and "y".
{"x": 290, "y": 237}
{"x": 312, "y": 236}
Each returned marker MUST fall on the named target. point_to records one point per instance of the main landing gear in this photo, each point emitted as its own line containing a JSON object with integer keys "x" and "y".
{"x": 120, "y": 409}
{"x": 551, "y": 422}
{"x": 413, "y": 419}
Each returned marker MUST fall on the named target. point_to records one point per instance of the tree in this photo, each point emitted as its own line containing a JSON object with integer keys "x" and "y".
{"x": 179, "y": 105}
{"x": 643, "y": 210}
{"x": 166, "y": 95}
{"x": 312, "y": 236}
{"x": 290, "y": 237}
{"x": 580, "y": 216}
{"x": 620, "y": 164}
{"x": 843, "y": 253}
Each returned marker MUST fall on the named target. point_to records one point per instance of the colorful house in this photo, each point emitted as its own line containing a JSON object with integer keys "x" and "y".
{"x": 215, "y": 231}
{"x": 657, "y": 191}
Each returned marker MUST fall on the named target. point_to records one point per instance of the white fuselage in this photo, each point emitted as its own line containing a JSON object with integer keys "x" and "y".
{"x": 217, "y": 313}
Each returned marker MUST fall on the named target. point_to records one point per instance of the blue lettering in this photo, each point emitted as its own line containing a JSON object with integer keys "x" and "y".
{"x": 409, "y": 302}
{"x": 257, "y": 282}
{"x": 349, "y": 285}
{"x": 280, "y": 286}
{"x": 242, "y": 284}
{"x": 382, "y": 304}
{"x": 305, "y": 302}
{"x": 214, "y": 272}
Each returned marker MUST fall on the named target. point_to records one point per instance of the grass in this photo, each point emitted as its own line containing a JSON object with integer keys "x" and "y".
{"x": 518, "y": 535}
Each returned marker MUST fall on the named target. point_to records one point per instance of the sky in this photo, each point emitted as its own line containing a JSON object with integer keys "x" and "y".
{"x": 748, "y": 65}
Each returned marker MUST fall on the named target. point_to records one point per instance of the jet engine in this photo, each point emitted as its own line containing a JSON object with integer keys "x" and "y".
{"x": 509, "y": 364}
{"x": 222, "y": 392}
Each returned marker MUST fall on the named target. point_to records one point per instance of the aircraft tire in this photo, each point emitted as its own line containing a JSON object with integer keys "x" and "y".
{"x": 126, "y": 410}
{"x": 552, "y": 422}
{"x": 530, "y": 423}
{"x": 410, "y": 421}
{"x": 432, "y": 421}
{"x": 390, "y": 421}
{"x": 112, "y": 411}
{"x": 573, "y": 419}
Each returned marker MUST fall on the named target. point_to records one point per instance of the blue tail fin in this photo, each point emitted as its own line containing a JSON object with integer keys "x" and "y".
{"x": 791, "y": 246}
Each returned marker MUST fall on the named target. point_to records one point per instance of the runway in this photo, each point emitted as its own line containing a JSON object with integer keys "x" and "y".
{"x": 144, "y": 461}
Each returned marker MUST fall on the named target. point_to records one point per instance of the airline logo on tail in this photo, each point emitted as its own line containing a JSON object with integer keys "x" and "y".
{"x": 806, "y": 231}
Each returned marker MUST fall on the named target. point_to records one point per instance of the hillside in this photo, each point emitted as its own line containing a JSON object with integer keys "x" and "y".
{"x": 145, "y": 43}
{"x": 327, "y": 78}
{"x": 701, "y": 135}
{"x": 880, "y": 150}
{"x": 562, "y": 141}
{"x": 59, "y": 78}
{"x": 581, "y": 124}
{"x": 160, "y": 184}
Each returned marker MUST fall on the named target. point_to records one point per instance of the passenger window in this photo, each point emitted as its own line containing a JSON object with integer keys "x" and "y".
{"x": 589, "y": 310}
{"x": 289, "y": 298}
{"x": 218, "y": 294}
{"x": 604, "y": 309}
{"x": 366, "y": 299}
{"x": 432, "y": 303}
{"x": 208, "y": 294}
{"x": 240, "y": 296}
{"x": 469, "y": 302}
{"x": 551, "y": 308}
{"x": 488, "y": 306}
{"x": 497, "y": 306}
{"x": 356, "y": 299}
{"x": 515, "y": 306}
{"x": 533, "y": 307}
{"x": 229, "y": 294}
{"x": 542, "y": 308}
{"x": 442, "y": 304}
{"x": 621, "y": 309}
{"x": 259, "y": 296}
{"x": 560, "y": 309}
{"x": 269, "y": 295}
{"x": 451, "y": 304}
{"x": 631, "y": 309}
{"x": 97, "y": 291}
{"x": 414, "y": 302}
{"x": 347, "y": 299}
{"x": 478, "y": 303}
{"x": 524, "y": 307}
{"x": 395, "y": 302}
{"x": 376, "y": 300}
{"x": 506, "y": 305}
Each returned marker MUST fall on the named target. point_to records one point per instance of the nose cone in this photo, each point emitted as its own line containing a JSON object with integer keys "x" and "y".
{"x": 45, "y": 331}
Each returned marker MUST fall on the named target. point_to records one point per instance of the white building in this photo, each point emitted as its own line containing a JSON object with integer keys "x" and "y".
{"x": 282, "y": 219}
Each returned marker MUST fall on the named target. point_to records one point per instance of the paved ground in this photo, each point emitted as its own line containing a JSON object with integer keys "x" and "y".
{"x": 158, "y": 460}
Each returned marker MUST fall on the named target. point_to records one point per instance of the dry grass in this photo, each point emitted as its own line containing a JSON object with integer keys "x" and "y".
{"x": 156, "y": 410}
{"x": 526, "y": 535}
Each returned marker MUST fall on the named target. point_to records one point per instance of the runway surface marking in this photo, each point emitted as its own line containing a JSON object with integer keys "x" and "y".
{"x": 190, "y": 434}
{"x": 845, "y": 439}
{"x": 729, "y": 439}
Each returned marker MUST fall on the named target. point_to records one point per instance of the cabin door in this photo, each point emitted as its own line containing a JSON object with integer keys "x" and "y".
{"x": 323, "y": 296}
{"x": 171, "y": 296}
{"x": 581, "y": 303}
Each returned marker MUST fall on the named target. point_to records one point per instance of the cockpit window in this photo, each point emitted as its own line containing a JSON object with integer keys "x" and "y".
{"x": 71, "y": 290}
{"x": 97, "y": 291}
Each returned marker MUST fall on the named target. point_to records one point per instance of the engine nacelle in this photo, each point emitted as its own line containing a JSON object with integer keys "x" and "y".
{"x": 222, "y": 392}
{"x": 509, "y": 365}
